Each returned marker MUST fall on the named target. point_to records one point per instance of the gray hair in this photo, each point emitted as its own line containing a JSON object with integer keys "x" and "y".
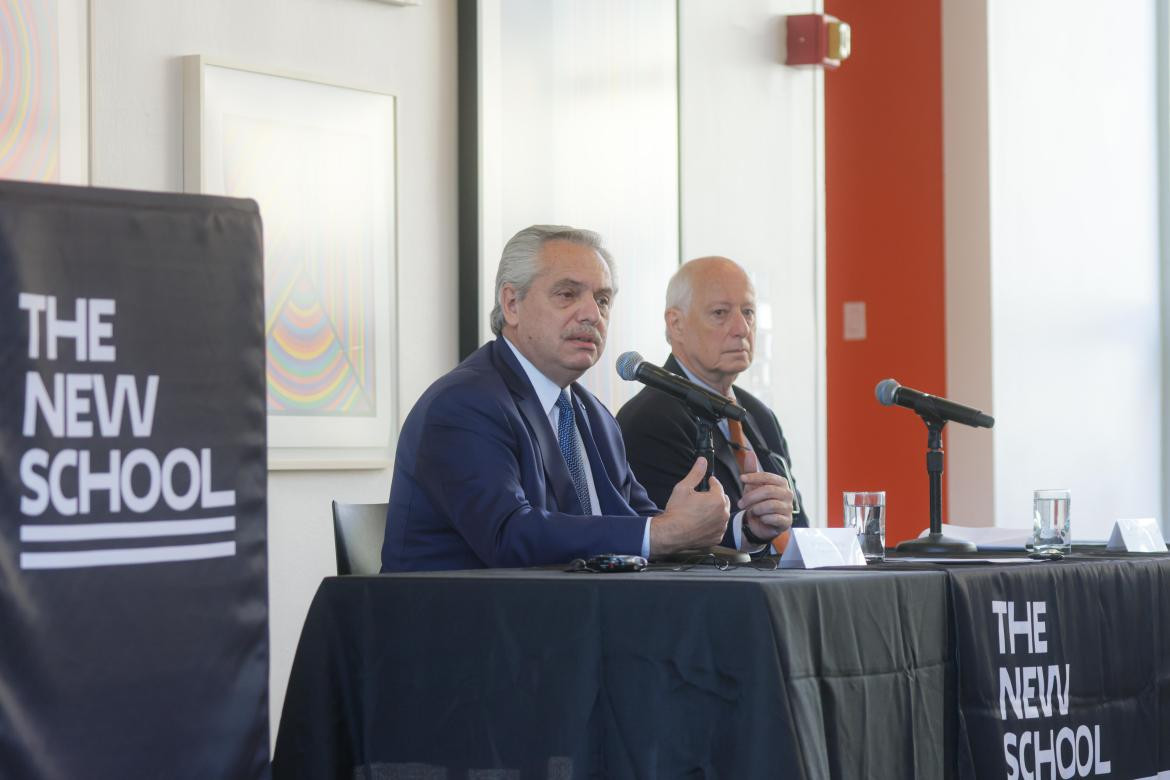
{"x": 679, "y": 291}
{"x": 520, "y": 262}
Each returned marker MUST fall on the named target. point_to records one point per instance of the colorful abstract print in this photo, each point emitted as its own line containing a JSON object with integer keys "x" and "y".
{"x": 29, "y": 110}
{"x": 319, "y": 351}
{"x": 312, "y": 187}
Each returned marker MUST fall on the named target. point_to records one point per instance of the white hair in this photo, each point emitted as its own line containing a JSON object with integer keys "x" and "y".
{"x": 520, "y": 261}
{"x": 679, "y": 291}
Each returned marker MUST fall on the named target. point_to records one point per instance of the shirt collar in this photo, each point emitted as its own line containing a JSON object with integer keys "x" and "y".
{"x": 547, "y": 390}
{"x": 696, "y": 380}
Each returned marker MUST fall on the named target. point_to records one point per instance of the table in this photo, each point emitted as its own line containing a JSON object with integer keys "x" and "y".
{"x": 547, "y": 674}
{"x": 895, "y": 670}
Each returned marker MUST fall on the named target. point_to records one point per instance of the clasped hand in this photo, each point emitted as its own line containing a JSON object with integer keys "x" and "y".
{"x": 692, "y": 519}
{"x": 767, "y": 500}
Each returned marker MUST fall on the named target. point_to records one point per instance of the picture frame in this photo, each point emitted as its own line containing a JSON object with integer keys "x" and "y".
{"x": 320, "y": 160}
{"x": 44, "y": 91}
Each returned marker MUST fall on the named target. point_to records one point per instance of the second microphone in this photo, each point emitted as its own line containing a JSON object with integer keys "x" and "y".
{"x": 633, "y": 367}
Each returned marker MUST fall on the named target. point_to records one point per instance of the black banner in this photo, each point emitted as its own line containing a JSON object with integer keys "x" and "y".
{"x": 133, "y": 563}
{"x": 1064, "y": 669}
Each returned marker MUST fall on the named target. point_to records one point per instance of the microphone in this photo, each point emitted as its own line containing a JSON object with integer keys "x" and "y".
{"x": 888, "y": 392}
{"x": 632, "y": 367}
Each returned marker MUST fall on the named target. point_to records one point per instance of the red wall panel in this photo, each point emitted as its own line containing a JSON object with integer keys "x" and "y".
{"x": 884, "y": 234}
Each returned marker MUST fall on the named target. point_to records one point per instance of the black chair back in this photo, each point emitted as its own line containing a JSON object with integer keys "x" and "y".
{"x": 358, "y": 530}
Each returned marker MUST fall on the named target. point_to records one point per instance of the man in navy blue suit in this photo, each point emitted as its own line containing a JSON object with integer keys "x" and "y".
{"x": 506, "y": 461}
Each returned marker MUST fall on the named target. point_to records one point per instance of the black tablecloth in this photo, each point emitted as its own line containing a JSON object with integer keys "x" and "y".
{"x": 548, "y": 674}
{"x": 1098, "y": 633}
{"x": 900, "y": 670}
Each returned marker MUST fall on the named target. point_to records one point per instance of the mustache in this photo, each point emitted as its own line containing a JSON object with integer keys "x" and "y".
{"x": 587, "y": 333}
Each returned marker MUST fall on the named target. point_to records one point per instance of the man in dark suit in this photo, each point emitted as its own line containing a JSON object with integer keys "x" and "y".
{"x": 506, "y": 461}
{"x": 711, "y": 327}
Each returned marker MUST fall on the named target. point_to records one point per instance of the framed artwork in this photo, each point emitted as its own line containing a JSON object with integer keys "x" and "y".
{"x": 44, "y": 95}
{"x": 319, "y": 159}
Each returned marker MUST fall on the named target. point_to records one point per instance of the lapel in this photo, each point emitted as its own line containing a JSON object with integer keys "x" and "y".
{"x": 610, "y": 501}
{"x": 726, "y": 457}
{"x": 555, "y": 470}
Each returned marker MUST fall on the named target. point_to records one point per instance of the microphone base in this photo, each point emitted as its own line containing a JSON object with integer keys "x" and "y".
{"x": 936, "y": 544}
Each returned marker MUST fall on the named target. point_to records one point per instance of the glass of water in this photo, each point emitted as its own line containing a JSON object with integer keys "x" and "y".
{"x": 1051, "y": 528}
{"x": 865, "y": 513}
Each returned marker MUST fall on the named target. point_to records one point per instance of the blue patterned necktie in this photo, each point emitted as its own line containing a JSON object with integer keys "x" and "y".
{"x": 567, "y": 438}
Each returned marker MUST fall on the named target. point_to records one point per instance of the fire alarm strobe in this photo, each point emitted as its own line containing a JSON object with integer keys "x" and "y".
{"x": 817, "y": 39}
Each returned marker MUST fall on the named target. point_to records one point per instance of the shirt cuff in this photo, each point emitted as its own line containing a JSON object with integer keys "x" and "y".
{"x": 742, "y": 544}
{"x": 646, "y": 540}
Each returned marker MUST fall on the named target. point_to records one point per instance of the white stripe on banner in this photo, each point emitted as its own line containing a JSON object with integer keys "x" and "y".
{"x": 79, "y": 558}
{"x": 75, "y": 532}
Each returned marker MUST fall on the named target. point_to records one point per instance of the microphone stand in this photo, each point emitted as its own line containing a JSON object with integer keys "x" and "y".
{"x": 705, "y": 447}
{"x": 935, "y": 543}
{"x": 706, "y": 417}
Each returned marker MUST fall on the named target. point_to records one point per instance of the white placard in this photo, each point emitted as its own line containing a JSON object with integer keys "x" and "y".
{"x": 812, "y": 548}
{"x": 1140, "y": 534}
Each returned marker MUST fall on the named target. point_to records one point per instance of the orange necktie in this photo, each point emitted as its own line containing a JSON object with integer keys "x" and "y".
{"x": 741, "y": 448}
{"x": 739, "y": 443}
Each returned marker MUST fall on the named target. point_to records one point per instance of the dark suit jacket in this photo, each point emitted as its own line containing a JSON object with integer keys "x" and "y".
{"x": 660, "y": 444}
{"x": 479, "y": 479}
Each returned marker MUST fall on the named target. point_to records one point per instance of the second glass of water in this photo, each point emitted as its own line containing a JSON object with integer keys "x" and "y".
{"x": 865, "y": 512}
{"x": 1051, "y": 526}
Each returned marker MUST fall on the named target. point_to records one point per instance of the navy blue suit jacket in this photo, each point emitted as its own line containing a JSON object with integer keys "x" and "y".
{"x": 479, "y": 480}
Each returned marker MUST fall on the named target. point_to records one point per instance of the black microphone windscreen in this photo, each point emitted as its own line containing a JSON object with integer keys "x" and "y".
{"x": 627, "y": 365}
{"x": 885, "y": 391}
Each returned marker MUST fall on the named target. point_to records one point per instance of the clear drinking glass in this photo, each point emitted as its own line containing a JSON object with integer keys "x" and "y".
{"x": 1051, "y": 529}
{"x": 865, "y": 512}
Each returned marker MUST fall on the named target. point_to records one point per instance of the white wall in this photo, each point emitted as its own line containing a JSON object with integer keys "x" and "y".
{"x": 752, "y": 188}
{"x": 1075, "y": 258}
{"x": 579, "y": 113}
{"x": 137, "y": 143}
{"x": 1072, "y": 260}
{"x": 967, "y": 205}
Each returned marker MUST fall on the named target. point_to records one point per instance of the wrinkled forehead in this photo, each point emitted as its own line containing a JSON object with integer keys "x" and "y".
{"x": 723, "y": 283}
{"x": 569, "y": 260}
